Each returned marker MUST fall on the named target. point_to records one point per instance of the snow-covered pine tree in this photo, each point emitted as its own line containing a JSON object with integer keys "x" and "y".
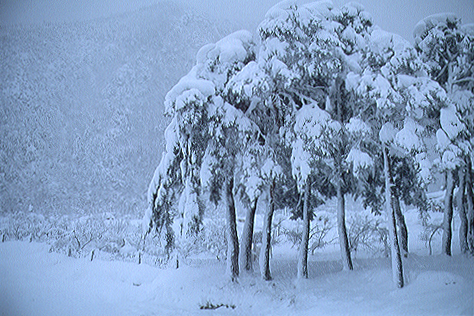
{"x": 349, "y": 28}
{"x": 164, "y": 191}
{"x": 231, "y": 132}
{"x": 447, "y": 49}
{"x": 285, "y": 37}
{"x": 397, "y": 102}
{"x": 250, "y": 92}
{"x": 261, "y": 91}
{"x": 174, "y": 192}
{"x": 201, "y": 147}
{"x": 246, "y": 91}
{"x": 313, "y": 146}
{"x": 309, "y": 49}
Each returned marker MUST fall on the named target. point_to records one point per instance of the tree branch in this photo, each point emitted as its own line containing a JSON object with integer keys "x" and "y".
{"x": 441, "y": 72}
{"x": 464, "y": 80}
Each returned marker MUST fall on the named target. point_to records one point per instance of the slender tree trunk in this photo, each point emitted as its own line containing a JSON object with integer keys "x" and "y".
{"x": 267, "y": 237}
{"x": 470, "y": 206}
{"x": 341, "y": 211}
{"x": 341, "y": 227}
{"x": 402, "y": 226}
{"x": 303, "y": 251}
{"x": 246, "y": 263}
{"x": 397, "y": 265}
{"x": 448, "y": 214}
{"x": 462, "y": 211}
{"x": 232, "y": 239}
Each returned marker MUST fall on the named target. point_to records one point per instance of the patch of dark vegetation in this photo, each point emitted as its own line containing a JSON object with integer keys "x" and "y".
{"x": 210, "y": 305}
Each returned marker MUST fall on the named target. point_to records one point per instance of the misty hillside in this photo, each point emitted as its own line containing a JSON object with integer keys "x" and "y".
{"x": 81, "y": 107}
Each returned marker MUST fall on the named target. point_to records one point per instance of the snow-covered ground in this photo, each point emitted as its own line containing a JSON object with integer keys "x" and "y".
{"x": 34, "y": 281}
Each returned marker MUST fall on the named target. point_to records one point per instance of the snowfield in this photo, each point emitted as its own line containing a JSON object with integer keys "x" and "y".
{"x": 34, "y": 281}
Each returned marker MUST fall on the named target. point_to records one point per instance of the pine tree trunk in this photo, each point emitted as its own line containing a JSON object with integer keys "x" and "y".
{"x": 341, "y": 227}
{"x": 470, "y": 206}
{"x": 303, "y": 251}
{"x": 397, "y": 265}
{"x": 402, "y": 226}
{"x": 267, "y": 237}
{"x": 246, "y": 263}
{"x": 232, "y": 239}
{"x": 462, "y": 212}
{"x": 341, "y": 211}
{"x": 448, "y": 214}
{"x": 173, "y": 261}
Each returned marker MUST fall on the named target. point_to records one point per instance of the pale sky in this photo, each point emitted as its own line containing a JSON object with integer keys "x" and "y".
{"x": 398, "y": 16}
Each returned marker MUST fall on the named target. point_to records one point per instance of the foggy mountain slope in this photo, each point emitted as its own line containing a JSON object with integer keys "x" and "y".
{"x": 81, "y": 106}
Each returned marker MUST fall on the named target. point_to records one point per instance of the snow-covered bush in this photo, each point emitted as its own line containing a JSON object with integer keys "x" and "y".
{"x": 319, "y": 235}
{"x": 430, "y": 230}
{"x": 210, "y": 240}
{"x": 98, "y": 235}
{"x": 21, "y": 226}
{"x": 368, "y": 232}
{"x": 213, "y": 238}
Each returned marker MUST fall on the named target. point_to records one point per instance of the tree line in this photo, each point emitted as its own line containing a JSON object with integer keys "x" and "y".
{"x": 323, "y": 104}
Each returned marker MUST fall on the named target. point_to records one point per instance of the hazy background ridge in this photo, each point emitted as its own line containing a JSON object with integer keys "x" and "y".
{"x": 81, "y": 115}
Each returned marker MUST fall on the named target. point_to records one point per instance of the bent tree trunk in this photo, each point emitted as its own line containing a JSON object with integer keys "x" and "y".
{"x": 397, "y": 265}
{"x": 462, "y": 211}
{"x": 303, "y": 251}
{"x": 246, "y": 263}
{"x": 342, "y": 231}
{"x": 448, "y": 214}
{"x": 232, "y": 241}
{"x": 402, "y": 226}
{"x": 267, "y": 237}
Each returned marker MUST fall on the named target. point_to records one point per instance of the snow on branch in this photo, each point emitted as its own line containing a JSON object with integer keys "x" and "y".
{"x": 187, "y": 89}
{"x": 424, "y": 26}
{"x": 231, "y": 49}
{"x": 359, "y": 160}
{"x": 450, "y": 122}
{"x": 358, "y": 127}
{"x": 408, "y": 138}
{"x": 387, "y": 133}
